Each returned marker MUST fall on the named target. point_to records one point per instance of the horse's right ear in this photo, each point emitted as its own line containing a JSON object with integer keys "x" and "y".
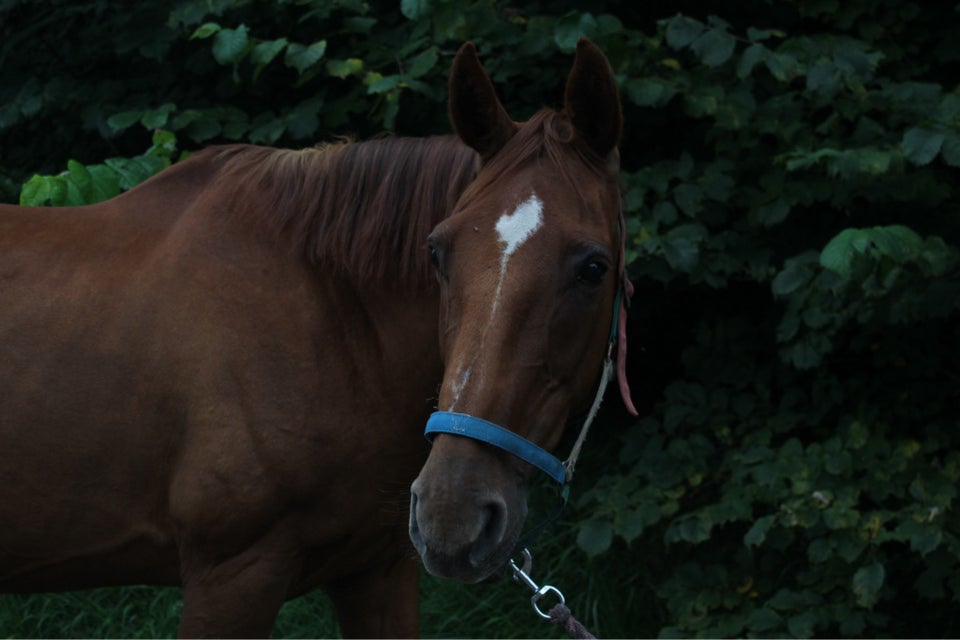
{"x": 475, "y": 111}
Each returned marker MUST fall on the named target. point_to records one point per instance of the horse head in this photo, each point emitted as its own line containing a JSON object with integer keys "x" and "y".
{"x": 530, "y": 265}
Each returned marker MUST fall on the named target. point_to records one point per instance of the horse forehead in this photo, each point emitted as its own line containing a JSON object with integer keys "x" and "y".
{"x": 515, "y": 227}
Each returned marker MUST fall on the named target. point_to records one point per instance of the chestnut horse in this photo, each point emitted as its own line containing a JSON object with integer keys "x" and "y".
{"x": 219, "y": 378}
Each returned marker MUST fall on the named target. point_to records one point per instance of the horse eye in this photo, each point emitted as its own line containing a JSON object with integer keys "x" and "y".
{"x": 592, "y": 272}
{"x": 436, "y": 260}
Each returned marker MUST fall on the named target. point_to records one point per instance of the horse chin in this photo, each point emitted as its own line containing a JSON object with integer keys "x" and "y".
{"x": 461, "y": 569}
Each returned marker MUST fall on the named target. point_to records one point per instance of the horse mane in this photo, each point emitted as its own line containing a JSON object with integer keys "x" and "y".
{"x": 362, "y": 208}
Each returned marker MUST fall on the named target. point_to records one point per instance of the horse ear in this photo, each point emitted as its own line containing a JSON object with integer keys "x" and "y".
{"x": 592, "y": 100}
{"x": 475, "y": 111}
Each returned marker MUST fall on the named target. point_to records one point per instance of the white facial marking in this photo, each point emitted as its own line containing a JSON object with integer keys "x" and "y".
{"x": 515, "y": 228}
{"x": 457, "y": 385}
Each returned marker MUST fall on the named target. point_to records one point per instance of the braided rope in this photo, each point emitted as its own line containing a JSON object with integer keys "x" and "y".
{"x": 560, "y": 615}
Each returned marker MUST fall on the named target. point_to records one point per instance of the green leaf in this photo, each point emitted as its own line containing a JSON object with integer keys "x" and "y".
{"x": 608, "y": 24}
{"x": 631, "y": 523}
{"x": 681, "y": 246}
{"x": 344, "y": 68}
{"x": 649, "y": 91}
{"x": 571, "y": 28}
{"x": 106, "y": 182}
{"x": 758, "y": 532}
{"x": 422, "y": 63}
{"x": 383, "y": 84}
{"x": 133, "y": 171}
{"x": 867, "y": 582}
{"x": 358, "y": 24}
{"x": 264, "y": 53}
{"x": 664, "y": 212}
{"x": 895, "y": 241}
{"x": 682, "y": 31}
{"x": 693, "y": 528}
{"x": 922, "y": 538}
{"x": 157, "y": 118}
{"x": 819, "y": 550}
{"x": 714, "y": 47}
{"x": 921, "y": 145}
{"x": 951, "y": 149}
{"x": 205, "y": 31}
{"x": 781, "y": 66}
{"x": 266, "y": 129}
{"x": 35, "y": 191}
{"x": 595, "y": 536}
{"x": 301, "y": 57}
{"x": 83, "y": 180}
{"x": 824, "y": 78}
{"x": 688, "y": 198}
{"x": 124, "y": 120}
{"x": 203, "y": 129}
{"x": 416, "y": 9}
{"x": 230, "y": 45}
{"x": 764, "y": 619}
{"x": 803, "y": 624}
{"x": 759, "y": 35}
{"x": 771, "y": 214}
{"x": 749, "y": 59}
{"x": 303, "y": 120}
{"x": 839, "y": 252}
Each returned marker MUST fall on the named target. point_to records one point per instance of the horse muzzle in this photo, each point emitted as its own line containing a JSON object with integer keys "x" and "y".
{"x": 464, "y": 524}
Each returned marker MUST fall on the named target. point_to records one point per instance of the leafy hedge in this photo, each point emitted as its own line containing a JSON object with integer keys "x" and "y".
{"x": 789, "y": 171}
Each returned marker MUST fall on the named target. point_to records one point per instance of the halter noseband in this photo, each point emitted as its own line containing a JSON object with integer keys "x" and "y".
{"x": 561, "y": 472}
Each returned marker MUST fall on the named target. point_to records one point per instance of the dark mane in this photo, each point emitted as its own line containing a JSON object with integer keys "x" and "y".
{"x": 365, "y": 208}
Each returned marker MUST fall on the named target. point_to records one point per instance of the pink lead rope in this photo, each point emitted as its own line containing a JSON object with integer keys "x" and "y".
{"x": 622, "y": 322}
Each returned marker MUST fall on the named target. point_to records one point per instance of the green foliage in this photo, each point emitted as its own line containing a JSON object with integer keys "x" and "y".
{"x": 792, "y": 218}
{"x": 81, "y": 184}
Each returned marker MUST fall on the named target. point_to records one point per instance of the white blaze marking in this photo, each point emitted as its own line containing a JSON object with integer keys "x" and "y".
{"x": 514, "y": 229}
{"x": 457, "y": 385}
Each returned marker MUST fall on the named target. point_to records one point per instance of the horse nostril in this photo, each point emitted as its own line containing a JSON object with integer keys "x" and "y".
{"x": 493, "y": 525}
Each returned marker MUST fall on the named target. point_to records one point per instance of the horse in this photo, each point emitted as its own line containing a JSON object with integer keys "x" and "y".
{"x": 219, "y": 378}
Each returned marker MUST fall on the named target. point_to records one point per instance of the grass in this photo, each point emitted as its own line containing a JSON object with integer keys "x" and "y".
{"x": 448, "y": 610}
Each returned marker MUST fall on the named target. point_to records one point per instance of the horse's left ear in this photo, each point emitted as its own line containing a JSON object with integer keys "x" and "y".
{"x": 592, "y": 100}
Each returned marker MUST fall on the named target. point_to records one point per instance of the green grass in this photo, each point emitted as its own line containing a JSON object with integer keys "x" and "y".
{"x": 448, "y": 609}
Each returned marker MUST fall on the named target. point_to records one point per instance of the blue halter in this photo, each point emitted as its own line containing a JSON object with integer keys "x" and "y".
{"x": 463, "y": 425}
